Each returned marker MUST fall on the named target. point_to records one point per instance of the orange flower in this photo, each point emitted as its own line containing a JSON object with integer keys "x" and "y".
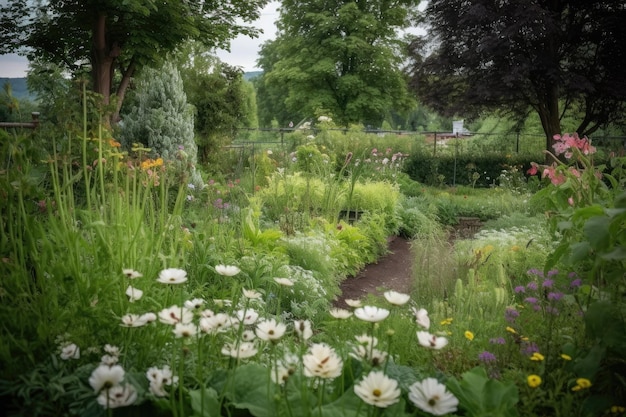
{"x": 113, "y": 143}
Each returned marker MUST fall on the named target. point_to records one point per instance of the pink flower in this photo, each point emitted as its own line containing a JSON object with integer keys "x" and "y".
{"x": 533, "y": 169}
{"x": 570, "y": 201}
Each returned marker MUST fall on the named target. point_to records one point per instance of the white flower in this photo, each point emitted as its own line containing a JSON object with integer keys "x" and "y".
{"x": 270, "y": 330}
{"x": 322, "y": 361}
{"x": 148, "y": 317}
{"x": 216, "y": 324}
{"x": 340, "y": 313}
{"x": 112, "y": 350}
{"x": 159, "y": 378}
{"x": 172, "y": 276}
{"x": 131, "y": 273}
{"x": 70, "y": 351}
{"x": 133, "y": 320}
{"x": 175, "y": 314}
{"x": 367, "y": 340}
{"x": 251, "y": 294}
{"x": 396, "y": 298}
{"x": 303, "y": 329}
{"x": 134, "y": 294}
{"x": 377, "y": 389}
{"x": 248, "y": 316}
{"x": 118, "y": 396}
{"x": 431, "y": 341}
{"x": 432, "y": 397}
{"x": 207, "y": 313}
{"x": 227, "y": 270}
{"x": 245, "y": 350}
{"x": 353, "y": 303}
{"x": 248, "y": 336}
{"x": 371, "y": 314}
{"x": 194, "y": 304}
{"x": 109, "y": 360}
{"x": 185, "y": 330}
{"x": 421, "y": 317}
{"x": 222, "y": 303}
{"x": 284, "y": 281}
{"x": 105, "y": 377}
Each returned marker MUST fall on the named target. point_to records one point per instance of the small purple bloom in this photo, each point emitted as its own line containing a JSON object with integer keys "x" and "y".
{"x": 532, "y": 285}
{"x": 497, "y": 341}
{"x": 530, "y": 348}
{"x": 548, "y": 283}
{"x": 510, "y": 314}
{"x": 572, "y": 275}
{"x": 531, "y": 300}
{"x": 519, "y": 289}
{"x": 555, "y": 296}
{"x": 535, "y": 271}
{"x": 486, "y": 357}
{"x": 553, "y": 272}
{"x": 575, "y": 283}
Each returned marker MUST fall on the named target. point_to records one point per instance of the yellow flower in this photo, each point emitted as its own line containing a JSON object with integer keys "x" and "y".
{"x": 537, "y": 357}
{"x": 515, "y": 248}
{"x": 524, "y": 339}
{"x": 151, "y": 163}
{"x": 617, "y": 409}
{"x": 534, "y": 381}
{"x": 469, "y": 335}
{"x": 114, "y": 144}
{"x": 511, "y": 330}
{"x": 581, "y": 383}
{"x": 566, "y": 357}
{"x": 446, "y": 322}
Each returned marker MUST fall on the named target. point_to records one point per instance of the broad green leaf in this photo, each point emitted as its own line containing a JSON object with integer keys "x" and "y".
{"x": 597, "y": 232}
{"x": 253, "y": 390}
{"x": 208, "y": 406}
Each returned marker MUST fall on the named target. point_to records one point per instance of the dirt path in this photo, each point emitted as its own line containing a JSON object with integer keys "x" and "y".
{"x": 391, "y": 272}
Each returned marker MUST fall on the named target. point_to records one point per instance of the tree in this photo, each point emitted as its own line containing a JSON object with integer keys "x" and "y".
{"x": 338, "y": 57}
{"x": 553, "y": 57}
{"x": 104, "y": 37}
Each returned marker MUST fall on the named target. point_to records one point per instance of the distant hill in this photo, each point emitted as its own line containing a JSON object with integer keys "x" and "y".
{"x": 252, "y": 74}
{"x": 18, "y": 88}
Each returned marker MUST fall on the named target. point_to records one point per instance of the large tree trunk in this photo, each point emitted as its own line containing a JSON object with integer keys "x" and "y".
{"x": 103, "y": 57}
{"x": 548, "y": 110}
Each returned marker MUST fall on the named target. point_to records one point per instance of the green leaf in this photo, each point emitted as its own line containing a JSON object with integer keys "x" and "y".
{"x": 597, "y": 232}
{"x": 210, "y": 407}
{"x": 253, "y": 390}
{"x": 579, "y": 252}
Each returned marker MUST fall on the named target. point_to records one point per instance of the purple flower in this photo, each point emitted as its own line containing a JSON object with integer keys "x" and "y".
{"x": 572, "y": 275}
{"x": 535, "y": 271}
{"x": 529, "y": 348}
{"x": 486, "y": 357}
{"x": 575, "y": 283}
{"x": 497, "y": 341}
{"x": 510, "y": 314}
{"x": 555, "y": 296}
{"x": 532, "y": 285}
{"x": 548, "y": 283}
{"x": 553, "y": 272}
{"x": 536, "y": 307}
{"x": 531, "y": 300}
{"x": 519, "y": 289}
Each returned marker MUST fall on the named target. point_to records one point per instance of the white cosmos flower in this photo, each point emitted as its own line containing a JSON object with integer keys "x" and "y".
{"x": 134, "y": 294}
{"x": 215, "y": 324}
{"x": 222, "y": 303}
{"x": 131, "y": 273}
{"x": 421, "y": 317}
{"x": 207, "y": 313}
{"x": 367, "y": 340}
{"x": 148, "y": 317}
{"x": 322, "y": 361}
{"x": 371, "y": 314}
{"x": 431, "y": 341}
{"x": 112, "y": 350}
{"x": 248, "y": 316}
{"x": 172, "y": 276}
{"x": 227, "y": 270}
{"x": 270, "y": 330}
{"x": 353, "y": 303}
{"x": 377, "y": 389}
{"x": 284, "y": 281}
{"x": 374, "y": 356}
{"x": 105, "y": 377}
{"x": 175, "y": 314}
{"x": 432, "y": 397}
{"x": 251, "y": 294}
{"x": 159, "y": 378}
{"x": 70, "y": 351}
{"x": 248, "y": 336}
{"x": 194, "y": 304}
{"x": 396, "y": 298}
{"x": 109, "y": 360}
{"x": 185, "y": 330}
{"x": 340, "y": 313}
{"x": 133, "y": 320}
{"x": 245, "y": 350}
{"x": 118, "y": 396}
{"x": 303, "y": 329}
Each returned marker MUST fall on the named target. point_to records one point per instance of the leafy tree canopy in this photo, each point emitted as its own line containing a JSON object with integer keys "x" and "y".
{"x": 337, "y": 57}
{"x": 552, "y": 57}
{"x": 103, "y": 37}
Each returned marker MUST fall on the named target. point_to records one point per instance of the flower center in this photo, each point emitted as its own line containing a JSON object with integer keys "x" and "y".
{"x": 433, "y": 401}
{"x": 376, "y": 392}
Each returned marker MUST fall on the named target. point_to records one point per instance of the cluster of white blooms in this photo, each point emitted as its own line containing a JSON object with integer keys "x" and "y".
{"x": 159, "y": 379}
{"x": 107, "y": 381}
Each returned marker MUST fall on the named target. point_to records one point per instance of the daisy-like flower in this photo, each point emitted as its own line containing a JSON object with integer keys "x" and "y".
{"x": 534, "y": 381}
{"x": 270, "y": 330}
{"x": 112, "y": 350}
{"x": 175, "y": 314}
{"x": 536, "y": 356}
{"x": 340, "y": 313}
{"x": 377, "y": 389}
{"x": 207, "y": 313}
{"x": 303, "y": 329}
{"x": 185, "y": 330}
{"x": 131, "y": 273}
{"x": 194, "y": 304}
{"x": 469, "y": 335}
{"x": 431, "y": 396}
{"x": 105, "y": 377}
{"x": 70, "y": 351}
{"x": 159, "y": 378}
{"x": 367, "y": 340}
{"x": 227, "y": 270}
{"x": 222, "y": 303}
{"x": 353, "y": 303}
{"x": 284, "y": 281}
{"x": 322, "y": 361}
{"x": 421, "y": 317}
{"x": 247, "y": 317}
{"x": 581, "y": 383}
{"x": 118, "y": 396}
{"x": 431, "y": 341}
{"x": 371, "y": 314}
{"x": 133, "y": 320}
{"x": 134, "y": 294}
{"x": 251, "y": 294}
{"x": 216, "y": 324}
{"x": 248, "y": 336}
{"x": 109, "y": 360}
{"x": 243, "y": 351}
{"x": 396, "y": 298}
{"x": 566, "y": 357}
{"x": 373, "y": 356}
{"x": 148, "y": 317}
{"x": 172, "y": 276}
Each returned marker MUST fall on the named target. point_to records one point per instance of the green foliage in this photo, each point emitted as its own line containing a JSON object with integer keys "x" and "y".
{"x": 482, "y": 396}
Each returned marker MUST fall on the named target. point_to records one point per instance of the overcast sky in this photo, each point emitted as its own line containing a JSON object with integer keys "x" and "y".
{"x": 243, "y": 50}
